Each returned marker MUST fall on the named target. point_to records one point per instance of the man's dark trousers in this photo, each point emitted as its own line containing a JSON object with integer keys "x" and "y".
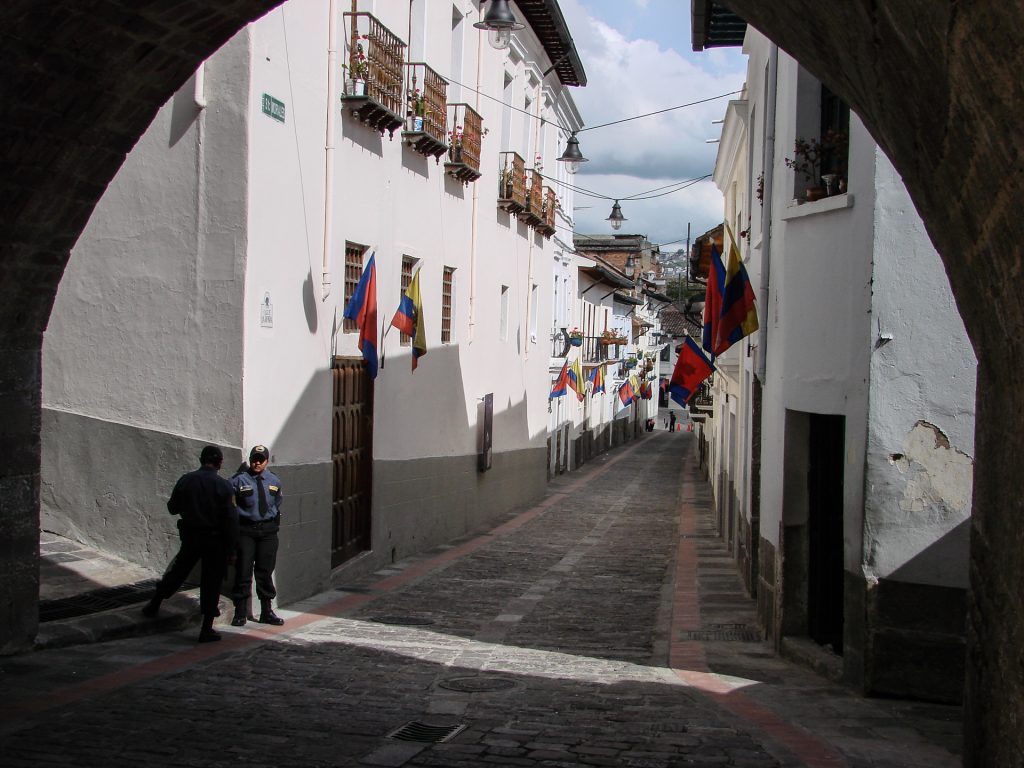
{"x": 257, "y": 555}
{"x": 195, "y": 546}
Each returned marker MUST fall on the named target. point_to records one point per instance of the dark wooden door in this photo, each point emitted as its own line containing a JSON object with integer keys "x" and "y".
{"x": 352, "y": 456}
{"x": 825, "y": 530}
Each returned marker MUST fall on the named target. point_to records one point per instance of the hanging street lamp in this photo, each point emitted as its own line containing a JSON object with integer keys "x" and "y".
{"x": 572, "y": 157}
{"x": 500, "y": 23}
{"x": 616, "y": 218}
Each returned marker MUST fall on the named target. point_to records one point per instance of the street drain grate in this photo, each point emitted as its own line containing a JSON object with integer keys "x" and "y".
{"x": 434, "y": 734}
{"x": 743, "y": 633}
{"x": 475, "y": 684}
{"x": 96, "y": 601}
{"x": 403, "y": 621}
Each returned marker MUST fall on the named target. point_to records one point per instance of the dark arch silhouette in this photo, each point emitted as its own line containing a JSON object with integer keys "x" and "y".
{"x": 937, "y": 84}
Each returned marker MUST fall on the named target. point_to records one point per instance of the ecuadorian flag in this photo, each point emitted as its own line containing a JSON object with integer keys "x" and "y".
{"x": 409, "y": 319}
{"x": 691, "y": 369}
{"x": 576, "y": 379}
{"x": 737, "y": 316}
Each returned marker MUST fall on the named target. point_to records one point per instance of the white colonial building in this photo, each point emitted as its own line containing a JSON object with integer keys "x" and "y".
{"x": 842, "y": 433}
{"x": 203, "y": 303}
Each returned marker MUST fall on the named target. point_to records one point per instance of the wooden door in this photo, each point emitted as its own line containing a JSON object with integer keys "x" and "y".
{"x": 352, "y": 457}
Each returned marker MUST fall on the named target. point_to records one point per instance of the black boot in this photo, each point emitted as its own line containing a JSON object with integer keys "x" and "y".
{"x": 208, "y": 634}
{"x": 243, "y": 611}
{"x": 152, "y": 608}
{"x": 267, "y": 615}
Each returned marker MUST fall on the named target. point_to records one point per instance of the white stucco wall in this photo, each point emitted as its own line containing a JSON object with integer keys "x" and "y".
{"x": 819, "y": 301}
{"x": 921, "y": 416}
{"x": 397, "y": 203}
{"x": 145, "y": 331}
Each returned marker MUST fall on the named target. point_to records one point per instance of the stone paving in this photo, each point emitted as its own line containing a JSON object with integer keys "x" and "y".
{"x": 604, "y": 627}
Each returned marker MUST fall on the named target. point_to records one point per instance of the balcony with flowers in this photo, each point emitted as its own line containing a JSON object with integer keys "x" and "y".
{"x": 374, "y": 76}
{"x": 511, "y": 182}
{"x": 550, "y": 205}
{"x": 426, "y": 113}
{"x": 533, "y": 214}
{"x": 464, "y": 140}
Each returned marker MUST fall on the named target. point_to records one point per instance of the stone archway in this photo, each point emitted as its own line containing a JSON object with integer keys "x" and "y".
{"x": 935, "y": 82}
{"x": 81, "y": 82}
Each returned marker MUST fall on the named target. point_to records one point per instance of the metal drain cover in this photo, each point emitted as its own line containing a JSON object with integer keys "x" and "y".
{"x": 404, "y": 621}
{"x": 434, "y": 734}
{"x": 97, "y": 600}
{"x": 735, "y": 632}
{"x": 477, "y": 684}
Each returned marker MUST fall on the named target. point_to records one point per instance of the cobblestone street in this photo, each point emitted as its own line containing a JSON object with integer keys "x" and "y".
{"x": 604, "y": 627}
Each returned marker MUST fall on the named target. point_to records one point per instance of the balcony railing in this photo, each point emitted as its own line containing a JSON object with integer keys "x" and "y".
{"x": 374, "y": 73}
{"x": 512, "y": 182}
{"x": 464, "y": 143}
{"x": 547, "y": 225}
{"x": 533, "y": 214}
{"x": 591, "y": 348}
{"x": 426, "y": 126}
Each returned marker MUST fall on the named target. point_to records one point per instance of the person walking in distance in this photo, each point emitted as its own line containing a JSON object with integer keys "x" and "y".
{"x": 671, "y": 421}
{"x": 258, "y": 495}
{"x": 208, "y": 529}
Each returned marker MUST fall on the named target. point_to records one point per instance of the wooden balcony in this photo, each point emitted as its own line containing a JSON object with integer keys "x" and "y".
{"x": 374, "y": 76}
{"x": 464, "y": 139}
{"x": 547, "y": 226}
{"x": 426, "y": 121}
{"x": 512, "y": 182}
{"x": 533, "y": 213}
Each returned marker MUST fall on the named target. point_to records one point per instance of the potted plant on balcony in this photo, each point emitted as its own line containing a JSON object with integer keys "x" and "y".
{"x": 809, "y": 157}
{"x": 455, "y": 144}
{"x": 358, "y": 70}
{"x": 576, "y": 337}
{"x": 417, "y": 110}
{"x": 610, "y": 337}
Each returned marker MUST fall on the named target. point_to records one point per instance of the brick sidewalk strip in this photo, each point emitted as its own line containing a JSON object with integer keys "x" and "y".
{"x": 560, "y": 637}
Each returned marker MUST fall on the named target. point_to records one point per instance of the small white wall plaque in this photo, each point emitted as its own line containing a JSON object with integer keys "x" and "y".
{"x": 266, "y": 312}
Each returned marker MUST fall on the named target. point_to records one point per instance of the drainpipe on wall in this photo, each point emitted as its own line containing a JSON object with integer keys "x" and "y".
{"x": 473, "y": 227}
{"x": 332, "y": 61}
{"x": 766, "y": 210}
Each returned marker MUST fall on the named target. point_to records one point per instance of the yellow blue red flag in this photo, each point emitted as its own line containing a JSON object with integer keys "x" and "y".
{"x": 409, "y": 319}
{"x": 737, "y": 316}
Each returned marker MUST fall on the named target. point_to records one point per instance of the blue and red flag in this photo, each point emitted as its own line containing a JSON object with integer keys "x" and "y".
{"x": 362, "y": 310}
{"x": 692, "y": 367}
{"x": 561, "y": 384}
{"x": 597, "y": 380}
{"x": 409, "y": 319}
{"x": 646, "y": 393}
{"x": 737, "y": 316}
{"x": 663, "y": 383}
{"x": 626, "y": 393}
{"x": 713, "y": 301}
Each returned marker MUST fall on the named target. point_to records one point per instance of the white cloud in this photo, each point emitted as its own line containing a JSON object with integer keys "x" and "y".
{"x": 635, "y": 76}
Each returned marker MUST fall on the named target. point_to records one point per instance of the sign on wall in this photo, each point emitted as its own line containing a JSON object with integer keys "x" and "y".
{"x": 273, "y": 108}
{"x": 266, "y": 312}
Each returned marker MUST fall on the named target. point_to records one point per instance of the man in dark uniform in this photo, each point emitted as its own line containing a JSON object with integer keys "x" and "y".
{"x": 258, "y": 496}
{"x": 209, "y": 531}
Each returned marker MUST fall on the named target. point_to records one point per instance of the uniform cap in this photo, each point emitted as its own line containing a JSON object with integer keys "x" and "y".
{"x": 259, "y": 452}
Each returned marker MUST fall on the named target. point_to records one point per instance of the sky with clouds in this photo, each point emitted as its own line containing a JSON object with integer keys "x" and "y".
{"x": 638, "y": 59}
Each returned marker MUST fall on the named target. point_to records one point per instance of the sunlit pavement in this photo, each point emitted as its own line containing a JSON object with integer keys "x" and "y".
{"x": 604, "y": 627}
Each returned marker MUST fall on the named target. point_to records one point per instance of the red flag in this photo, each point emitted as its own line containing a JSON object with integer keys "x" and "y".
{"x": 691, "y": 369}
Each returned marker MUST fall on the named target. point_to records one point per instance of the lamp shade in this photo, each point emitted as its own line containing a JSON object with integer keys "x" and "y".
{"x": 500, "y": 23}
{"x": 572, "y": 157}
{"x": 616, "y": 218}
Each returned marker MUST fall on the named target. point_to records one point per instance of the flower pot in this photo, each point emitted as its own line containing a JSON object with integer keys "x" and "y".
{"x": 576, "y": 341}
{"x": 355, "y": 87}
{"x": 455, "y": 153}
{"x": 814, "y": 193}
{"x": 416, "y": 124}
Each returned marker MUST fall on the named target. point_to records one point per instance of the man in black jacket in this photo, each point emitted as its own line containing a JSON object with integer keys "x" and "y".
{"x": 209, "y": 533}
